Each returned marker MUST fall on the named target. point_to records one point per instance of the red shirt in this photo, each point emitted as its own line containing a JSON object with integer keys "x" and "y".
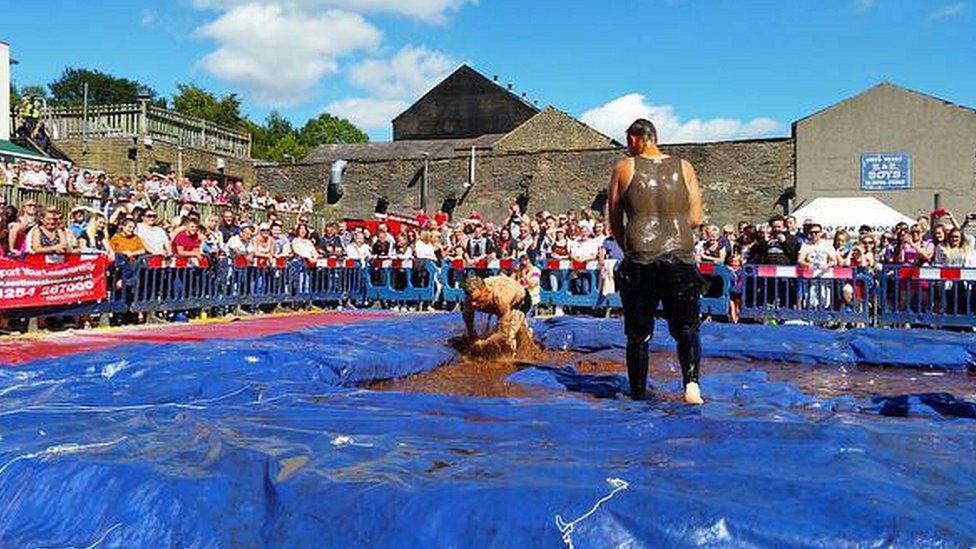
{"x": 440, "y": 218}
{"x": 187, "y": 242}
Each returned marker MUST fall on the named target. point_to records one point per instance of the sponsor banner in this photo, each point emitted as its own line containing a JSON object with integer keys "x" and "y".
{"x": 31, "y": 284}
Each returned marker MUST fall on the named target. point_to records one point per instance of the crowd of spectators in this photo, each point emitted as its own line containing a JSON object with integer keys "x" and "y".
{"x": 147, "y": 191}
{"x": 128, "y": 226}
{"x": 580, "y": 236}
{"x": 934, "y": 240}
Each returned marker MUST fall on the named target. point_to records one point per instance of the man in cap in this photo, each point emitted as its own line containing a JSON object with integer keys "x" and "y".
{"x": 505, "y": 298}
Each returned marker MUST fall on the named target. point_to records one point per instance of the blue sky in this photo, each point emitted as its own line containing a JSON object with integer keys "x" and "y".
{"x": 702, "y": 69}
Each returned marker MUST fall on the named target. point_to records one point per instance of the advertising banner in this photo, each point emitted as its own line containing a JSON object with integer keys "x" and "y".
{"x": 58, "y": 280}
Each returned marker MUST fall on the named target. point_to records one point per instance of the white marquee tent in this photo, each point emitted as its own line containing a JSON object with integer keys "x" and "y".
{"x": 850, "y": 213}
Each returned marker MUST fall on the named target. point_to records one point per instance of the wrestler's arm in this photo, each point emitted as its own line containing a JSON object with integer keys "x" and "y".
{"x": 623, "y": 172}
{"x": 695, "y": 214}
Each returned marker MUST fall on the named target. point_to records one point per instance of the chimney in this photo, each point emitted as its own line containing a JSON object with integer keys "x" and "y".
{"x": 4, "y": 91}
{"x": 510, "y": 86}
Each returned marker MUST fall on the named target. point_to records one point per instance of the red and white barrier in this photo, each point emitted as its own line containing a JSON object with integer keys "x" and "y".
{"x": 335, "y": 262}
{"x": 936, "y": 273}
{"x": 392, "y": 263}
{"x": 261, "y": 262}
{"x": 795, "y": 271}
{"x": 161, "y": 262}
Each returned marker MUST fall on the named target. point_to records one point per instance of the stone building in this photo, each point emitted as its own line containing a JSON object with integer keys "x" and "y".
{"x": 465, "y": 104}
{"x": 908, "y": 149}
{"x": 483, "y": 157}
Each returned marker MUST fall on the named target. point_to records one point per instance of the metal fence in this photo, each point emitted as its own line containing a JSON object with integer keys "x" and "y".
{"x": 144, "y": 120}
{"x": 893, "y": 295}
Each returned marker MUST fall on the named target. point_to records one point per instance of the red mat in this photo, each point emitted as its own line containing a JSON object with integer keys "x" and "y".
{"x": 19, "y": 351}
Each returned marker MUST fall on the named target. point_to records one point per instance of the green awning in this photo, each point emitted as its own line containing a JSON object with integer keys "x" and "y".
{"x": 10, "y": 149}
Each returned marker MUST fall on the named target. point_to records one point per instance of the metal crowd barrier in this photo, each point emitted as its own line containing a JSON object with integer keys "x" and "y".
{"x": 894, "y": 295}
{"x": 790, "y": 292}
{"x": 402, "y": 281}
{"x": 935, "y": 296}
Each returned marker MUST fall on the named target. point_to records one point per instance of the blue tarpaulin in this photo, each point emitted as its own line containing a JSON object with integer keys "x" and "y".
{"x": 273, "y": 442}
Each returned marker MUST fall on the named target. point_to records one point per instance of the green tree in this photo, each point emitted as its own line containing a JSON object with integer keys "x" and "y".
{"x": 192, "y": 100}
{"x": 287, "y": 149}
{"x": 265, "y": 137}
{"x": 33, "y": 90}
{"x": 103, "y": 88}
{"x": 327, "y": 128}
{"x": 14, "y": 96}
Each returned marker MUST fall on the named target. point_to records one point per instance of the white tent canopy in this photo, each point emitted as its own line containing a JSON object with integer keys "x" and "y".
{"x": 850, "y": 213}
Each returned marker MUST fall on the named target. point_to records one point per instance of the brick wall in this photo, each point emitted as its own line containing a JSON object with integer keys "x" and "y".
{"x": 740, "y": 180}
{"x": 111, "y": 156}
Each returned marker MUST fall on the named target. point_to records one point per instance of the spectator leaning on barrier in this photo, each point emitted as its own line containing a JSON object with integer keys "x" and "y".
{"x": 711, "y": 250}
{"x": 96, "y": 238}
{"x": 213, "y": 238}
{"x": 187, "y": 242}
{"x": 154, "y": 237}
{"x": 263, "y": 245}
{"x": 126, "y": 243}
{"x": 242, "y": 243}
{"x": 955, "y": 251}
{"x": 48, "y": 237}
{"x": 818, "y": 254}
{"x": 330, "y": 243}
{"x": 358, "y": 248}
{"x": 302, "y": 245}
{"x": 779, "y": 248}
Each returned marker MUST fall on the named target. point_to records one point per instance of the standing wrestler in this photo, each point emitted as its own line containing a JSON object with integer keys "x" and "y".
{"x": 660, "y": 199}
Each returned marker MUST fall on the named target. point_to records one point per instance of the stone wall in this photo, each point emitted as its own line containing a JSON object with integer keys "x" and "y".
{"x": 552, "y": 129}
{"x": 740, "y": 180}
{"x": 111, "y": 156}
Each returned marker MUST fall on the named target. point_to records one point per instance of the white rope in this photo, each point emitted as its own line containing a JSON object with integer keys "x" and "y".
{"x": 61, "y": 449}
{"x": 566, "y": 528}
{"x": 95, "y": 543}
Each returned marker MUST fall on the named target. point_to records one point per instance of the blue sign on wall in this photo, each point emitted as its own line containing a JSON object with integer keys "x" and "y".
{"x": 886, "y": 171}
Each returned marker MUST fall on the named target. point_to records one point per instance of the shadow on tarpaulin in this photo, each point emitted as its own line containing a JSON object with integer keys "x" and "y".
{"x": 272, "y": 442}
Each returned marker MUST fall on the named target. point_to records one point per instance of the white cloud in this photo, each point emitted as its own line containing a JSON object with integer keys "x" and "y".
{"x": 367, "y": 112}
{"x": 391, "y": 84}
{"x": 864, "y": 5}
{"x": 613, "y": 118}
{"x": 948, "y": 11}
{"x": 147, "y": 17}
{"x": 407, "y": 74}
{"x": 431, "y": 11}
{"x": 279, "y": 53}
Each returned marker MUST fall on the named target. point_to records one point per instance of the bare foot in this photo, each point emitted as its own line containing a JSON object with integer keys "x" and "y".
{"x": 693, "y": 394}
